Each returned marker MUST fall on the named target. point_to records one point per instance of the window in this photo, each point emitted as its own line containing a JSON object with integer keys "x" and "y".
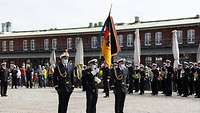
{"x": 191, "y": 36}
{"x": 159, "y": 60}
{"x": 11, "y": 45}
{"x": 120, "y": 40}
{"x": 77, "y": 40}
{"x": 32, "y": 45}
{"x": 54, "y": 43}
{"x": 69, "y": 43}
{"x": 46, "y": 44}
{"x": 4, "y": 48}
{"x": 147, "y": 39}
{"x": 25, "y": 48}
{"x": 158, "y": 38}
{"x": 180, "y": 36}
{"x": 130, "y": 40}
{"x": 94, "y": 42}
{"x": 101, "y": 39}
{"x": 148, "y": 60}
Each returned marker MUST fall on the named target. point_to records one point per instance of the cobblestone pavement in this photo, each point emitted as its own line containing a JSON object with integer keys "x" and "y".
{"x": 24, "y": 100}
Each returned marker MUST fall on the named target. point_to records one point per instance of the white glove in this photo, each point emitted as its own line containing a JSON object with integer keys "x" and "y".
{"x": 96, "y": 79}
{"x": 93, "y": 72}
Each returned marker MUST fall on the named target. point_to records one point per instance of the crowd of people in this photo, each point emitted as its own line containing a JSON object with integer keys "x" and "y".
{"x": 25, "y": 76}
{"x": 122, "y": 77}
{"x": 185, "y": 80}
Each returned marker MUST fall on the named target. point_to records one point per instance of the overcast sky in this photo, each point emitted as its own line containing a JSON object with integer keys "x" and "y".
{"x": 45, "y": 14}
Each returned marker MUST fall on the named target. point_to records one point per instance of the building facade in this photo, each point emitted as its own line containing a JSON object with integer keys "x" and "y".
{"x": 156, "y": 41}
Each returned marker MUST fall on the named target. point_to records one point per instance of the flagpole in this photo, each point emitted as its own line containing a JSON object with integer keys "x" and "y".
{"x": 110, "y": 9}
{"x": 100, "y": 35}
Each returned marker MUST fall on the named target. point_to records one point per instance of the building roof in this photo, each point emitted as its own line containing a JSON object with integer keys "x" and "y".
{"x": 129, "y": 26}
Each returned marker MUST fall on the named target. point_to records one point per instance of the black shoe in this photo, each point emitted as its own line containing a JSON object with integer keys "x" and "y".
{"x": 190, "y": 93}
{"x": 130, "y": 92}
{"x": 179, "y": 94}
{"x": 184, "y": 96}
{"x": 141, "y": 93}
{"x": 136, "y": 91}
{"x": 153, "y": 94}
{"x": 105, "y": 96}
{"x": 168, "y": 94}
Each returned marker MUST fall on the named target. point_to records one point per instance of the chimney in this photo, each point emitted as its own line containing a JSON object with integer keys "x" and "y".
{"x": 95, "y": 25}
{"x": 100, "y": 24}
{"x": 90, "y": 24}
{"x": 3, "y": 29}
{"x": 8, "y": 26}
{"x": 197, "y": 16}
{"x": 137, "y": 19}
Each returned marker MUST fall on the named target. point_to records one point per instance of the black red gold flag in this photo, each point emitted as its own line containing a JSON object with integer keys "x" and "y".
{"x": 109, "y": 45}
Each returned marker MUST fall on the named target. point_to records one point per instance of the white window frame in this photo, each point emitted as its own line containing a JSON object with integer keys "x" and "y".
{"x": 148, "y": 60}
{"x": 180, "y": 36}
{"x": 158, "y": 38}
{"x": 4, "y": 46}
{"x": 191, "y": 36}
{"x": 147, "y": 39}
{"x": 129, "y": 41}
{"x": 94, "y": 42}
{"x": 158, "y": 60}
{"x": 121, "y": 40}
{"x": 54, "y": 43}
{"x": 32, "y": 45}
{"x": 77, "y": 40}
{"x": 46, "y": 44}
{"x": 69, "y": 43}
{"x": 11, "y": 45}
{"x": 25, "y": 45}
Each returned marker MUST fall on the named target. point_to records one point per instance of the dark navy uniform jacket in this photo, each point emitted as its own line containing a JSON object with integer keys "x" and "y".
{"x": 120, "y": 82}
{"x": 91, "y": 85}
{"x": 4, "y": 73}
{"x": 63, "y": 77}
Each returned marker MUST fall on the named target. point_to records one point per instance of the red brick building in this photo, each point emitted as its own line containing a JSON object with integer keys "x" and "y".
{"x": 156, "y": 41}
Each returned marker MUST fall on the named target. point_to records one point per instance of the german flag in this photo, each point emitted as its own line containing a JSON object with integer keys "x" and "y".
{"x": 109, "y": 45}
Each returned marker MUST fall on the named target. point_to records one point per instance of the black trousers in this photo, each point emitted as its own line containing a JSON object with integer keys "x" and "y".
{"x": 63, "y": 98}
{"x": 119, "y": 101}
{"x": 91, "y": 101}
{"x": 168, "y": 86}
{"x": 40, "y": 81}
{"x": 154, "y": 87}
{"x": 185, "y": 86}
{"x": 106, "y": 87}
{"x": 23, "y": 81}
{"x": 136, "y": 84}
{"x": 29, "y": 83}
{"x": 163, "y": 86}
{"x": 14, "y": 82}
{"x": 191, "y": 86}
{"x": 197, "y": 87}
{"x": 179, "y": 86}
{"x": 142, "y": 83}
{"x": 4, "y": 86}
{"x": 130, "y": 88}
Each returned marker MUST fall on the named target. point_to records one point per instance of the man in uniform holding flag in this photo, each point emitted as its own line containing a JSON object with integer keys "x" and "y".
{"x": 111, "y": 48}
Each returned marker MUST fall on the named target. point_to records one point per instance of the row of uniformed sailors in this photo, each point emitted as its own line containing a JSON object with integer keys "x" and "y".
{"x": 64, "y": 84}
